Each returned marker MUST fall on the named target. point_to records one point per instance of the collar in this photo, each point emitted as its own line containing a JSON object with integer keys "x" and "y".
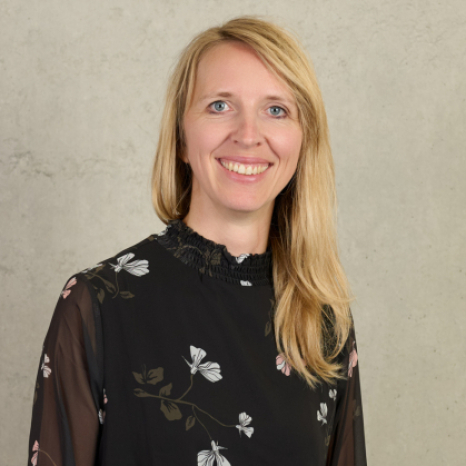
{"x": 213, "y": 259}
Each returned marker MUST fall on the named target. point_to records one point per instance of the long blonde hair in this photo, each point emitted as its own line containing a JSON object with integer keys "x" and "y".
{"x": 311, "y": 313}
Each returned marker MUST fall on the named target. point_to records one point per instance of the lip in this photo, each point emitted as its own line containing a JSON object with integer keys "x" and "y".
{"x": 245, "y": 160}
{"x": 245, "y": 179}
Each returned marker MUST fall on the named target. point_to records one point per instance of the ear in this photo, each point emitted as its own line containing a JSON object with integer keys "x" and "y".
{"x": 184, "y": 157}
{"x": 182, "y": 154}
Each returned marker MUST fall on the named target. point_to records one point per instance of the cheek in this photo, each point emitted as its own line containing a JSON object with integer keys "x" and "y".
{"x": 201, "y": 138}
{"x": 287, "y": 145}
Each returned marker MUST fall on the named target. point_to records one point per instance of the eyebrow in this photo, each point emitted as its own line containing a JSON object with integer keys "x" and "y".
{"x": 229, "y": 94}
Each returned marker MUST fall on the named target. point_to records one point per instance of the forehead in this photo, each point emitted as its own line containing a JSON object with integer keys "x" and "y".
{"x": 235, "y": 67}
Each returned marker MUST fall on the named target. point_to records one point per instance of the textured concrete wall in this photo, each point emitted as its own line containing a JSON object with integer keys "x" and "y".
{"x": 81, "y": 91}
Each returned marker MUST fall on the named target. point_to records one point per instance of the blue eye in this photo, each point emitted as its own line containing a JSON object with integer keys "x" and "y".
{"x": 219, "y": 105}
{"x": 275, "y": 111}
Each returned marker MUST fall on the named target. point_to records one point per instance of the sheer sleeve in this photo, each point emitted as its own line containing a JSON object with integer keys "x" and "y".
{"x": 347, "y": 445}
{"x": 68, "y": 400}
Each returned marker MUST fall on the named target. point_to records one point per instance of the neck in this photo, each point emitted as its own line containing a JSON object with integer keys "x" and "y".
{"x": 240, "y": 233}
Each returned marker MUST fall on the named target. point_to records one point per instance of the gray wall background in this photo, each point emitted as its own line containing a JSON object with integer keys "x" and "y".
{"x": 81, "y": 94}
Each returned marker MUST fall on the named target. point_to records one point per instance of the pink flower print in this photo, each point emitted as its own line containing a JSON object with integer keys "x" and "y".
{"x": 67, "y": 290}
{"x": 282, "y": 365}
{"x": 34, "y": 456}
{"x": 353, "y": 361}
{"x": 101, "y": 411}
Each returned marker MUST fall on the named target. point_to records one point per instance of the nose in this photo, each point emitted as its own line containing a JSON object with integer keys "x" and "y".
{"x": 247, "y": 132}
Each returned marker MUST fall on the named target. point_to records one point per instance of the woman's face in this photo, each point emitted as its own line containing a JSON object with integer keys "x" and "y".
{"x": 242, "y": 133}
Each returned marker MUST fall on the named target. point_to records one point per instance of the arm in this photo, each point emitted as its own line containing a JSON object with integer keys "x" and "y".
{"x": 65, "y": 423}
{"x": 347, "y": 445}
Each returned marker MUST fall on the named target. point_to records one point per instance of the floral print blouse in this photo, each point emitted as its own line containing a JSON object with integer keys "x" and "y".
{"x": 165, "y": 355}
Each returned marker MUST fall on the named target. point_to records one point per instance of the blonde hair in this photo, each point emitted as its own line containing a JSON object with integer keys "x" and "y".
{"x": 311, "y": 314}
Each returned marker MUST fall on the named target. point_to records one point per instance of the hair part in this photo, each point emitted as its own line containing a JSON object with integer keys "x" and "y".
{"x": 312, "y": 318}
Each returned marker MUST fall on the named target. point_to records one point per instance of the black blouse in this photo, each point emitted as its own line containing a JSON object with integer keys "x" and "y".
{"x": 165, "y": 355}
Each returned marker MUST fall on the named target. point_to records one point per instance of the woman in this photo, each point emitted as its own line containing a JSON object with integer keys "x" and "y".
{"x": 227, "y": 338}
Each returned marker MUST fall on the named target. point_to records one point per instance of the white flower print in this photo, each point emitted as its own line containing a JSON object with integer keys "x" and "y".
{"x": 211, "y": 457}
{"x": 322, "y": 414}
{"x": 46, "y": 371}
{"x": 332, "y": 394}
{"x": 210, "y": 370}
{"x": 245, "y": 283}
{"x": 90, "y": 268}
{"x": 163, "y": 232}
{"x": 241, "y": 258}
{"x": 245, "y": 420}
{"x": 137, "y": 267}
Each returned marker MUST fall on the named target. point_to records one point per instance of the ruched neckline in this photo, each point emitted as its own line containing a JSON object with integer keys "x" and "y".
{"x": 213, "y": 259}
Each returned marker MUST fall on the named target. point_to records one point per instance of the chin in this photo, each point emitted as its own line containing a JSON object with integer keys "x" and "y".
{"x": 246, "y": 206}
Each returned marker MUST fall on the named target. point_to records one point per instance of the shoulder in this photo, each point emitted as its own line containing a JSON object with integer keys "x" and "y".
{"x": 134, "y": 262}
{"x": 74, "y": 306}
{"x": 138, "y": 251}
{"x": 133, "y": 259}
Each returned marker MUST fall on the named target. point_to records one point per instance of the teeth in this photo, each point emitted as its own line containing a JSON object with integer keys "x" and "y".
{"x": 244, "y": 169}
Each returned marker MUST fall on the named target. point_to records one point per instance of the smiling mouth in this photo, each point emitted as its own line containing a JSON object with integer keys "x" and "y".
{"x": 244, "y": 169}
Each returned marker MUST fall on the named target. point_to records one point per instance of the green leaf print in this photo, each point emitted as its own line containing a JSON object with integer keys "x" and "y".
{"x": 165, "y": 391}
{"x": 101, "y": 296}
{"x": 190, "y": 422}
{"x": 170, "y": 407}
{"x": 153, "y": 377}
{"x": 171, "y": 410}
